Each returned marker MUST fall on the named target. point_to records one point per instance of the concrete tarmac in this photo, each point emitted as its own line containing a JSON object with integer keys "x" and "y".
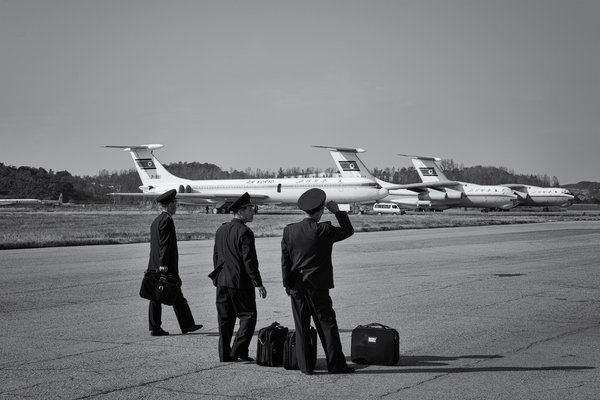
{"x": 499, "y": 312}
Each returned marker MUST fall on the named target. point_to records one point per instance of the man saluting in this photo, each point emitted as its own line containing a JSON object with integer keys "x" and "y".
{"x": 308, "y": 275}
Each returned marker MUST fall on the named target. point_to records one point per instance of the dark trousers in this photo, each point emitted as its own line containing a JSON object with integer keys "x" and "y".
{"x": 182, "y": 312}
{"x": 318, "y": 304}
{"x": 232, "y": 304}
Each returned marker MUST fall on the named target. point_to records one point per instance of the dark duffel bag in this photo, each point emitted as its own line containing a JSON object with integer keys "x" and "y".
{"x": 289, "y": 350}
{"x": 160, "y": 287}
{"x": 269, "y": 348}
{"x": 375, "y": 344}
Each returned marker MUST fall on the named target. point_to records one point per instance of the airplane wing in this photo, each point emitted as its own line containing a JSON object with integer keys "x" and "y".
{"x": 227, "y": 195}
{"x": 422, "y": 187}
{"x": 198, "y": 197}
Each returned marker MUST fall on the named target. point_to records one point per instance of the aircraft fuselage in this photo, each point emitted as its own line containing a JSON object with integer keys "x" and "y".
{"x": 287, "y": 190}
{"x": 544, "y": 196}
{"x": 462, "y": 195}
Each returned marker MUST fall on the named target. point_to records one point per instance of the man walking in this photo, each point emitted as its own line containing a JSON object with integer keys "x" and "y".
{"x": 236, "y": 275}
{"x": 164, "y": 258}
{"x": 308, "y": 275}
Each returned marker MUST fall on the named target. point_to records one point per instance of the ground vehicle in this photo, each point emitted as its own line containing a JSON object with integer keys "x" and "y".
{"x": 387, "y": 208}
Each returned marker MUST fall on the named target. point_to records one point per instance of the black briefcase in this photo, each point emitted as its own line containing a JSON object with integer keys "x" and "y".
{"x": 375, "y": 344}
{"x": 159, "y": 287}
{"x": 269, "y": 349}
{"x": 289, "y": 350}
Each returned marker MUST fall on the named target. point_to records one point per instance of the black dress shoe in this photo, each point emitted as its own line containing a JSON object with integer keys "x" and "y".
{"x": 191, "y": 329}
{"x": 344, "y": 370}
{"x": 159, "y": 332}
{"x": 307, "y": 372}
{"x": 244, "y": 358}
{"x": 229, "y": 359}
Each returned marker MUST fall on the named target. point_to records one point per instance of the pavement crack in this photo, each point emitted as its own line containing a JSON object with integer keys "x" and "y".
{"x": 551, "y": 338}
{"x": 152, "y": 383}
{"x": 14, "y": 365}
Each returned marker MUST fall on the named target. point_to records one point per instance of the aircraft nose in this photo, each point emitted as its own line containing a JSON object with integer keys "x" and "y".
{"x": 570, "y": 199}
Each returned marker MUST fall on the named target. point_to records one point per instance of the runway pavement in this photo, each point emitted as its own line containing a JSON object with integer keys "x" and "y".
{"x": 501, "y": 312}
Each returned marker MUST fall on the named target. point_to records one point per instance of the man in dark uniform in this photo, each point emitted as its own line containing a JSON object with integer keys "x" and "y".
{"x": 236, "y": 275}
{"x": 308, "y": 275}
{"x": 165, "y": 258}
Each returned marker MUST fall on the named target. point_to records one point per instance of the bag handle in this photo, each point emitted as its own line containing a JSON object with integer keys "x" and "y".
{"x": 261, "y": 335}
{"x": 377, "y": 325}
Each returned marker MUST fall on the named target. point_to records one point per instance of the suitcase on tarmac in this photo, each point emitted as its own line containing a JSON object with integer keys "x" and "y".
{"x": 269, "y": 349}
{"x": 289, "y": 350}
{"x": 375, "y": 344}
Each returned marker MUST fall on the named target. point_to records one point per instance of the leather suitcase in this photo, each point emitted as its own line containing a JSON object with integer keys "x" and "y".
{"x": 269, "y": 349}
{"x": 375, "y": 344}
{"x": 289, "y": 350}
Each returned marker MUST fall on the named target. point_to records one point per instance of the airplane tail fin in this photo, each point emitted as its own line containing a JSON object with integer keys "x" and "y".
{"x": 151, "y": 171}
{"x": 428, "y": 168}
{"x": 348, "y": 163}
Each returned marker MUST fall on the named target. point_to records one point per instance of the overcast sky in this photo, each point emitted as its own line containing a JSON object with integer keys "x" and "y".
{"x": 512, "y": 83}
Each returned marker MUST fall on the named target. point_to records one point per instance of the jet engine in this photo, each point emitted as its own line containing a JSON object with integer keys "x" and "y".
{"x": 433, "y": 194}
{"x": 454, "y": 194}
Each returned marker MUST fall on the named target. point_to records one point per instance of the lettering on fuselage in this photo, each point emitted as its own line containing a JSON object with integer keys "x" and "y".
{"x": 260, "y": 182}
{"x": 311, "y": 180}
{"x": 273, "y": 181}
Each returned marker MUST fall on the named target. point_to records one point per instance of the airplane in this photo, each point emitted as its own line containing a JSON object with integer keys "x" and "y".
{"x": 435, "y": 192}
{"x": 413, "y": 195}
{"x": 20, "y": 202}
{"x": 221, "y": 193}
{"x": 542, "y": 196}
{"x": 31, "y": 202}
{"x": 464, "y": 194}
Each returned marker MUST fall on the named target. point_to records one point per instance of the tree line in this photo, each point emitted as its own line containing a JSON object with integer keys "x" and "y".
{"x": 30, "y": 182}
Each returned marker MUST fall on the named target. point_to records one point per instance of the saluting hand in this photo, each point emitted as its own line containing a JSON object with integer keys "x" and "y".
{"x": 262, "y": 292}
{"x": 332, "y": 206}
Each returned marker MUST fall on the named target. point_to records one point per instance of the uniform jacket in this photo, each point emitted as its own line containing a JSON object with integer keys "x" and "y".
{"x": 235, "y": 255}
{"x": 306, "y": 251}
{"x": 163, "y": 244}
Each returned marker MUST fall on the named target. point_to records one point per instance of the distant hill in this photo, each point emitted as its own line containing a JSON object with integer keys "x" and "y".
{"x": 586, "y": 192}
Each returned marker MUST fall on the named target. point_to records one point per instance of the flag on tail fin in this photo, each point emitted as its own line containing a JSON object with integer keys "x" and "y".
{"x": 428, "y": 172}
{"x": 349, "y": 166}
{"x": 145, "y": 163}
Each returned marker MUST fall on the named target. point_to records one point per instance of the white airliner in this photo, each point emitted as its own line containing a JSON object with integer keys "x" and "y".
{"x": 542, "y": 196}
{"x": 31, "y": 202}
{"x": 20, "y": 202}
{"x": 463, "y": 194}
{"x": 434, "y": 192}
{"x": 157, "y": 180}
{"x": 412, "y": 195}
